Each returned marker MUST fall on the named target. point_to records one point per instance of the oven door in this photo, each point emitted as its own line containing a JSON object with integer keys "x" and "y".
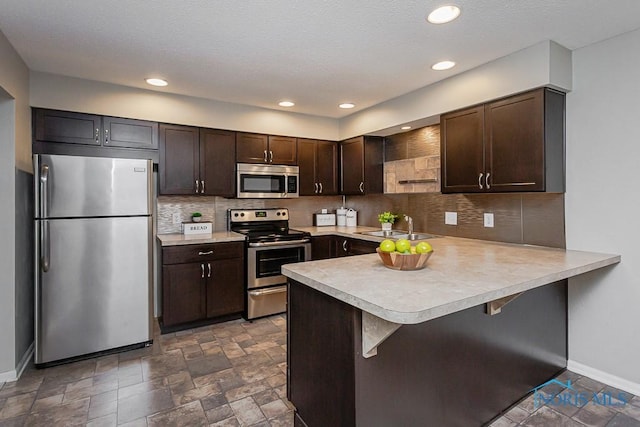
{"x": 264, "y": 261}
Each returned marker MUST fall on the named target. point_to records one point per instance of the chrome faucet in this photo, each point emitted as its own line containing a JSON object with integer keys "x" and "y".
{"x": 410, "y": 223}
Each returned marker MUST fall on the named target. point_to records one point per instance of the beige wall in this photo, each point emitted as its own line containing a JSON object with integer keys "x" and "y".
{"x": 67, "y": 93}
{"x": 544, "y": 64}
{"x": 14, "y": 79}
{"x": 15, "y": 152}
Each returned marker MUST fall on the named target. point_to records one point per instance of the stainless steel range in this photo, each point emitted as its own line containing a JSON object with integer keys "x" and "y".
{"x": 270, "y": 244}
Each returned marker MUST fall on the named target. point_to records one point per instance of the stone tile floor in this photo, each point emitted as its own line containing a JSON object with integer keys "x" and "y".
{"x": 231, "y": 374}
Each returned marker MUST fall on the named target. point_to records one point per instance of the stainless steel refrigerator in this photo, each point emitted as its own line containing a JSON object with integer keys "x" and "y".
{"x": 93, "y": 255}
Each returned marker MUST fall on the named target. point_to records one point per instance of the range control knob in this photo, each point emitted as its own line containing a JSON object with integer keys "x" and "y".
{"x": 278, "y": 213}
{"x": 235, "y": 214}
{"x": 242, "y": 214}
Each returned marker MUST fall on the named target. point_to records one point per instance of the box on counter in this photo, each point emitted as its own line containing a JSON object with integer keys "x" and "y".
{"x": 197, "y": 228}
{"x": 324, "y": 219}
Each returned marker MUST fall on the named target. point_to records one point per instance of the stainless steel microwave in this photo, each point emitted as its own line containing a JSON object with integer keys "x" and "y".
{"x": 267, "y": 181}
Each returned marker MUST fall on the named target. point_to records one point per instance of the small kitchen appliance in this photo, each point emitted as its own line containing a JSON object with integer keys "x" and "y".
{"x": 267, "y": 181}
{"x": 270, "y": 243}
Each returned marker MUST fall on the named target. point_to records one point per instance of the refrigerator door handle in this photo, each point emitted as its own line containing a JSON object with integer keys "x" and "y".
{"x": 44, "y": 191}
{"x": 45, "y": 246}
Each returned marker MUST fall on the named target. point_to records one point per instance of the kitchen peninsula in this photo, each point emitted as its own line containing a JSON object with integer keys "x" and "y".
{"x": 456, "y": 343}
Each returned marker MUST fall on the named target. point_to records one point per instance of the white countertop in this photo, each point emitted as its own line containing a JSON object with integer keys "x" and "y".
{"x": 192, "y": 239}
{"x": 462, "y": 273}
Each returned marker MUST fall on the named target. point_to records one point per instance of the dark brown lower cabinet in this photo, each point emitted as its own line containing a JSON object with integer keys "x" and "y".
{"x": 325, "y": 247}
{"x": 463, "y": 369}
{"x": 202, "y": 283}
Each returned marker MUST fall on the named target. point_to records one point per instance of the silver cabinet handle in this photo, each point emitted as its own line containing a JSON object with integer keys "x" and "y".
{"x": 202, "y": 189}
{"x": 97, "y": 135}
{"x": 270, "y": 156}
{"x": 316, "y": 185}
{"x": 202, "y": 269}
{"x": 209, "y": 265}
{"x": 344, "y": 245}
{"x": 361, "y": 186}
{"x": 205, "y": 253}
{"x": 106, "y": 136}
{"x": 480, "y": 181}
{"x": 44, "y": 191}
{"x": 486, "y": 180}
{"x": 197, "y": 186}
{"x": 45, "y": 246}
{"x": 320, "y": 188}
{"x": 265, "y": 156}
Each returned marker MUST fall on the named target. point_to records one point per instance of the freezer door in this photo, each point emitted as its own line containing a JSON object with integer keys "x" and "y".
{"x": 72, "y": 186}
{"x": 95, "y": 294}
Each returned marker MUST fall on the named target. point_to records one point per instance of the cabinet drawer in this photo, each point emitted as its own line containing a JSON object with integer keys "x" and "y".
{"x": 205, "y": 252}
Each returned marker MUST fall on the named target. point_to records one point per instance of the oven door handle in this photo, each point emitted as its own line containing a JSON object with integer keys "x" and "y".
{"x": 281, "y": 244}
{"x": 269, "y": 291}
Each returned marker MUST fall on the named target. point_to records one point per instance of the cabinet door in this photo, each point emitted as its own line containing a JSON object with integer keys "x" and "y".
{"x": 183, "y": 293}
{"x": 352, "y": 166}
{"x": 307, "y": 165}
{"x": 217, "y": 162}
{"x": 71, "y": 128}
{"x": 361, "y": 247}
{"x": 326, "y": 167}
{"x": 323, "y": 247}
{"x": 373, "y": 164}
{"x": 462, "y": 150}
{"x": 179, "y": 154}
{"x": 129, "y": 133}
{"x": 514, "y": 139}
{"x": 225, "y": 287}
{"x": 252, "y": 148}
{"x": 283, "y": 150}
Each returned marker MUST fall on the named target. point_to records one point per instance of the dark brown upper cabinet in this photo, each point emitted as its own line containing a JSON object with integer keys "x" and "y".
{"x": 196, "y": 161}
{"x": 318, "y": 162}
{"x": 515, "y": 144}
{"x": 266, "y": 149}
{"x": 361, "y": 160}
{"x": 52, "y": 126}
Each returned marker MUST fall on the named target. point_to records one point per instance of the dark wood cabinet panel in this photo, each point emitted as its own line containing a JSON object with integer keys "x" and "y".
{"x": 179, "y": 159}
{"x": 183, "y": 293}
{"x": 362, "y": 161}
{"x": 327, "y": 167}
{"x": 67, "y": 127}
{"x": 197, "y": 161}
{"x": 514, "y": 135}
{"x": 361, "y": 247}
{"x": 462, "y": 154}
{"x": 252, "y": 148}
{"x": 512, "y": 144}
{"x": 217, "y": 162}
{"x": 202, "y": 283}
{"x": 225, "y": 287}
{"x": 320, "y": 357}
{"x": 283, "y": 150}
{"x": 323, "y": 247}
{"x": 307, "y": 165}
{"x": 318, "y": 163}
{"x": 271, "y": 149}
{"x": 130, "y": 133}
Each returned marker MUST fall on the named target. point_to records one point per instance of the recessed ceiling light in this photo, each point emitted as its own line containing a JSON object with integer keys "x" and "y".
{"x": 157, "y": 82}
{"x": 286, "y": 104}
{"x": 443, "y": 65}
{"x": 347, "y": 105}
{"x": 444, "y": 14}
{"x": 405, "y": 127}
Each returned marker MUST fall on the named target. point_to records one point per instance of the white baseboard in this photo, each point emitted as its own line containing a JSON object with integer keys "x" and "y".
{"x": 14, "y": 374}
{"x": 604, "y": 377}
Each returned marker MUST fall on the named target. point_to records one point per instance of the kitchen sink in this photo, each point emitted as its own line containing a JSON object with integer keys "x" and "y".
{"x": 397, "y": 234}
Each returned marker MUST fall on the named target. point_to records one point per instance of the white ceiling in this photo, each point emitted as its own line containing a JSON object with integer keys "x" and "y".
{"x": 317, "y": 53}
